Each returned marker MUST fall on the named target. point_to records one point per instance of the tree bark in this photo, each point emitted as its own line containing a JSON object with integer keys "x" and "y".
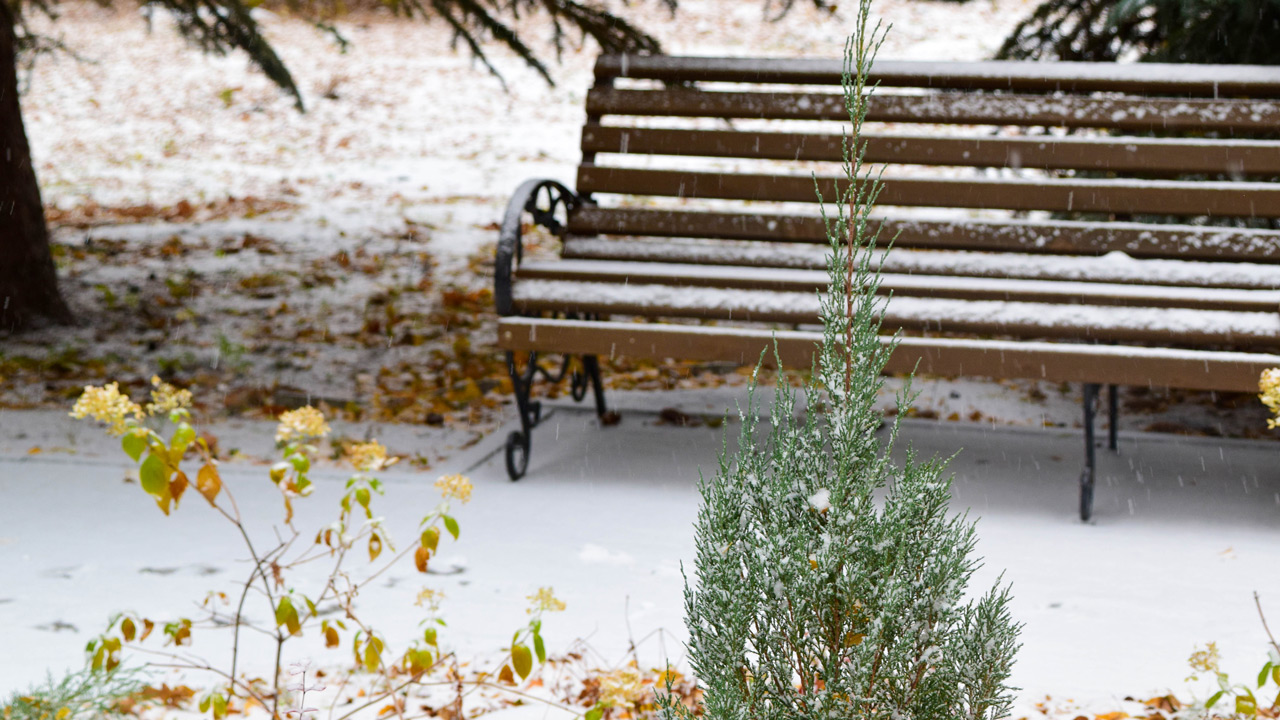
{"x": 28, "y": 280}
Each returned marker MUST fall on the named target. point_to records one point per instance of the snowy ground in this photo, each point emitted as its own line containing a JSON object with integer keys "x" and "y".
{"x": 1184, "y": 533}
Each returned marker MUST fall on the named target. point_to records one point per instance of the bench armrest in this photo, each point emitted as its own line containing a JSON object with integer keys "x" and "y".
{"x": 543, "y": 199}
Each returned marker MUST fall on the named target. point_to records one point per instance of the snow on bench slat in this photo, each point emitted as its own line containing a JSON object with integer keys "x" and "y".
{"x": 1059, "y": 236}
{"x": 1164, "y": 325}
{"x": 1124, "y": 113}
{"x": 683, "y": 274}
{"x": 1208, "y": 79}
{"x": 1114, "y": 267}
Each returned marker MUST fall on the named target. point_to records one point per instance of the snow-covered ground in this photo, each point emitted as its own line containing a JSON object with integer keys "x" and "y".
{"x": 1184, "y": 533}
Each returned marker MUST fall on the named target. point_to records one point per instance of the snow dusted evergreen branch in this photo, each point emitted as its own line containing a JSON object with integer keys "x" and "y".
{"x": 829, "y": 581}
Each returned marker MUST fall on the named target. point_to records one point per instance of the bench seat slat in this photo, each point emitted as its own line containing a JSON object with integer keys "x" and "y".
{"x": 1055, "y": 362}
{"x": 1236, "y": 199}
{"x": 931, "y": 286}
{"x": 1058, "y": 237}
{"x": 1129, "y": 114}
{"x": 1174, "y": 155}
{"x": 1136, "y": 78}
{"x": 1114, "y": 267}
{"x": 989, "y": 318}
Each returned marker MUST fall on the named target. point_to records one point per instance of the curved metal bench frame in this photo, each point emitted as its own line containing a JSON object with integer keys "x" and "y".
{"x": 544, "y": 200}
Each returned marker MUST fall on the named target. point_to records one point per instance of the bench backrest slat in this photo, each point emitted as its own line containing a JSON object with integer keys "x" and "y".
{"x": 1020, "y": 236}
{"x": 1145, "y": 78}
{"x": 1197, "y": 328}
{"x": 1154, "y": 155}
{"x": 1179, "y": 273}
{"x": 962, "y": 288}
{"x": 1249, "y": 200}
{"x": 1122, "y": 113}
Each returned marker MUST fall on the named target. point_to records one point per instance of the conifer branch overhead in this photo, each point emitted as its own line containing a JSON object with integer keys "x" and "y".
{"x": 221, "y": 26}
{"x": 1196, "y": 31}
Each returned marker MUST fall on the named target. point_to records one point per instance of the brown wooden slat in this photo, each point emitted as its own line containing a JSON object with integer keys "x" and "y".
{"x": 1037, "y": 321}
{"x": 1035, "y": 237}
{"x": 946, "y": 263}
{"x": 1135, "y": 78}
{"x": 1241, "y": 199}
{"x": 811, "y": 281}
{"x": 1054, "y": 362}
{"x": 1140, "y": 115}
{"x": 1045, "y": 153}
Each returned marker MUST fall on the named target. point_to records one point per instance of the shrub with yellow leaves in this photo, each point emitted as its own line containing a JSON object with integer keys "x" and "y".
{"x": 292, "y": 609}
{"x": 1245, "y": 698}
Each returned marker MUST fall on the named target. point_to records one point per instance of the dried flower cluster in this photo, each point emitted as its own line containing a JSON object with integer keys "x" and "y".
{"x": 305, "y": 423}
{"x": 166, "y": 398}
{"x": 544, "y": 601}
{"x": 457, "y": 487}
{"x": 107, "y": 404}
{"x": 429, "y": 599}
{"x": 622, "y": 687}
{"x": 1205, "y": 660}
{"x": 370, "y": 457}
{"x": 1269, "y": 385}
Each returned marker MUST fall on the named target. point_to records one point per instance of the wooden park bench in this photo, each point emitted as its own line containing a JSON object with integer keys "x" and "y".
{"x": 1086, "y": 223}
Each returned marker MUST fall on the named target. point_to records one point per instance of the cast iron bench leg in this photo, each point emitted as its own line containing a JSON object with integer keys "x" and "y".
{"x": 591, "y": 364}
{"x": 1090, "y": 453}
{"x": 518, "y": 442}
{"x": 1113, "y": 417}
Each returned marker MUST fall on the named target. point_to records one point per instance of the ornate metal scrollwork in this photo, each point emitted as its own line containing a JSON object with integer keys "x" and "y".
{"x": 549, "y": 203}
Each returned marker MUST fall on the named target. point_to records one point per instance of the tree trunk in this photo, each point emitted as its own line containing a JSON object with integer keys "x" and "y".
{"x": 28, "y": 281}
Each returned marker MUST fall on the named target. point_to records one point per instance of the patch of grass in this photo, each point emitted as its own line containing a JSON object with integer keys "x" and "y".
{"x": 80, "y": 694}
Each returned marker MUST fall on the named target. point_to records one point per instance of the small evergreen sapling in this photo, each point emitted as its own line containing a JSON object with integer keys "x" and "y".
{"x": 830, "y": 582}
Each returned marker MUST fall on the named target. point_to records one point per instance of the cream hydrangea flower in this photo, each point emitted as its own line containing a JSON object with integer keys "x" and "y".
{"x": 107, "y": 404}
{"x": 370, "y": 456}
{"x": 1205, "y": 661}
{"x": 623, "y": 686}
{"x": 430, "y": 599}
{"x": 304, "y": 423}
{"x": 455, "y": 486}
{"x": 1269, "y": 384}
{"x": 166, "y": 398}
{"x": 544, "y": 600}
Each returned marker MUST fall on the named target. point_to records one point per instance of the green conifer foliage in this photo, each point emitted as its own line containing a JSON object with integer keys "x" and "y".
{"x": 830, "y": 582}
{"x": 1194, "y": 31}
